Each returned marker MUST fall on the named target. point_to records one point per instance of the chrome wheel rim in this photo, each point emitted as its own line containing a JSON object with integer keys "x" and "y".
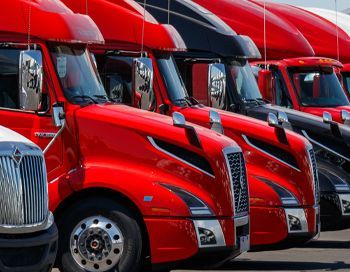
{"x": 96, "y": 244}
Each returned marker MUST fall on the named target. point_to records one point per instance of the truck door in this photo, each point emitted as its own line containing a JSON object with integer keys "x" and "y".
{"x": 38, "y": 127}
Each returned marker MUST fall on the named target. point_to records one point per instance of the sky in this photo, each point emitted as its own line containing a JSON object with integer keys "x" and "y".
{"x": 330, "y": 4}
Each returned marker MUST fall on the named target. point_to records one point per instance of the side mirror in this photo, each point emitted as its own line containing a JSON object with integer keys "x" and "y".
{"x": 215, "y": 121}
{"x": 58, "y": 115}
{"x": 282, "y": 117}
{"x": 272, "y": 120}
{"x": 265, "y": 84}
{"x": 345, "y": 117}
{"x": 142, "y": 83}
{"x": 216, "y": 84}
{"x": 179, "y": 119}
{"x": 30, "y": 80}
{"x": 327, "y": 118}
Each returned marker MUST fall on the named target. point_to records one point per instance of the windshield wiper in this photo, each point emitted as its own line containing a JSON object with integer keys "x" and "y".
{"x": 83, "y": 97}
{"x": 102, "y": 96}
{"x": 184, "y": 100}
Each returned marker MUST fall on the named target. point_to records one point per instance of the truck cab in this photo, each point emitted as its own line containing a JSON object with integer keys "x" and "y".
{"x": 270, "y": 177}
{"x": 28, "y": 234}
{"x": 309, "y": 85}
{"x": 241, "y": 95}
{"x": 129, "y": 188}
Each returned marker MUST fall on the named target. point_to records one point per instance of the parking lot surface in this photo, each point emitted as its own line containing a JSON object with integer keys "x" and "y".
{"x": 330, "y": 253}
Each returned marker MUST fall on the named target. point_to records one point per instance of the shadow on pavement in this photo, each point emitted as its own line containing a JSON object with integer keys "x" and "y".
{"x": 326, "y": 244}
{"x": 283, "y": 266}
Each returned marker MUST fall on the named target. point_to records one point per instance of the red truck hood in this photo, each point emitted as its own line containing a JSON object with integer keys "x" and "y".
{"x": 335, "y": 112}
{"x": 319, "y": 32}
{"x": 247, "y": 18}
{"x": 124, "y": 130}
{"x": 300, "y": 183}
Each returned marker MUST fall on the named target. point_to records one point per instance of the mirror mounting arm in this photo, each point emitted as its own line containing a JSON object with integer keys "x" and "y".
{"x": 53, "y": 140}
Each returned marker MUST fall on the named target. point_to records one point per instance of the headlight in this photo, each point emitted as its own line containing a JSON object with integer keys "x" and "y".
{"x": 287, "y": 198}
{"x": 340, "y": 185}
{"x": 196, "y": 206}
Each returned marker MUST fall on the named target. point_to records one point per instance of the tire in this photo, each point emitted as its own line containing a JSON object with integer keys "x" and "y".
{"x": 99, "y": 241}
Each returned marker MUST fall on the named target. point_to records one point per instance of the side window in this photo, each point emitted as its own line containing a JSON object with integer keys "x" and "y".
{"x": 200, "y": 83}
{"x": 116, "y": 76}
{"x": 281, "y": 93}
{"x": 9, "y": 81}
{"x": 9, "y": 76}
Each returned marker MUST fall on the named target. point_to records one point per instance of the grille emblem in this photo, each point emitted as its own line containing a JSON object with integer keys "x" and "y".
{"x": 17, "y": 156}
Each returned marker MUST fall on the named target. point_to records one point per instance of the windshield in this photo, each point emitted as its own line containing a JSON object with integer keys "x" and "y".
{"x": 346, "y": 80}
{"x": 244, "y": 80}
{"x": 78, "y": 75}
{"x": 174, "y": 84}
{"x": 318, "y": 87}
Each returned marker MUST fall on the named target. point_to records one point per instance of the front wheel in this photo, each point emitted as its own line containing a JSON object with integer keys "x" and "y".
{"x": 98, "y": 234}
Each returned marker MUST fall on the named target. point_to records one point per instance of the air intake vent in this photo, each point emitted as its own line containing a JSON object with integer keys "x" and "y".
{"x": 189, "y": 157}
{"x": 274, "y": 151}
{"x": 236, "y": 164}
{"x": 315, "y": 174}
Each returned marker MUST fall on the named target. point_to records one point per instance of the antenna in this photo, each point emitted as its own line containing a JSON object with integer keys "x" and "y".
{"x": 143, "y": 26}
{"x": 265, "y": 46}
{"x": 337, "y": 28}
{"x": 168, "y": 12}
{"x": 87, "y": 7}
{"x": 29, "y": 22}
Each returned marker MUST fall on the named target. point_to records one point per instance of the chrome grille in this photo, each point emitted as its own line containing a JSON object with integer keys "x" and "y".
{"x": 315, "y": 175}
{"x": 239, "y": 182}
{"x": 23, "y": 191}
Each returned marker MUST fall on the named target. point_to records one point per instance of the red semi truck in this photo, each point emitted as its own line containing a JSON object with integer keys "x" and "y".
{"x": 309, "y": 85}
{"x": 281, "y": 181}
{"x": 126, "y": 186}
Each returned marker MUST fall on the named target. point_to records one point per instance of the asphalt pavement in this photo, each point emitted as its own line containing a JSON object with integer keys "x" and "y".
{"x": 331, "y": 252}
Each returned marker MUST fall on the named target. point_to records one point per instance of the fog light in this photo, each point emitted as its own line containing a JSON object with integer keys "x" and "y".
{"x": 346, "y": 206}
{"x": 294, "y": 223}
{"x": 345, "y": 203}
{"x": 296, "y": 220}
{"x": 206, "y": 237}
{"x": 209, "y": 233}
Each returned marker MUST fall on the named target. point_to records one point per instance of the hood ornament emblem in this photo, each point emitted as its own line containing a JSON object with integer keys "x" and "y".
{"x": 17, "y": 156}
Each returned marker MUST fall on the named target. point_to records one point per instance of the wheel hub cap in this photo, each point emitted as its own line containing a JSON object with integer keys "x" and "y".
{"x": 96, "y": 244}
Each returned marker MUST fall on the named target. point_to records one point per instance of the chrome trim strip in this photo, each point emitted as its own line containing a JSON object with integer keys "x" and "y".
{"x": 176, "y": 157}
{"x": 324, "y": 147}
{"x": 20, "y": 229}
{"x": 215, "y": 227}
{"x": 266, "y": 153}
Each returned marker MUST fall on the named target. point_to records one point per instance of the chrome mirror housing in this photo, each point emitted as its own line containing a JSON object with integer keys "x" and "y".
{"x": 215, "y": 121}
{"x": 30, "y": 80}
{"x": 179, "y": 119}
{"x": 216, "y": 84}
{"x": 345, "y": 117}
{"x": 282, "y": 117}
{"x": 272, "y": 120}
{"x": 327, "y": 118}
{"x": 142, "y": 82}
